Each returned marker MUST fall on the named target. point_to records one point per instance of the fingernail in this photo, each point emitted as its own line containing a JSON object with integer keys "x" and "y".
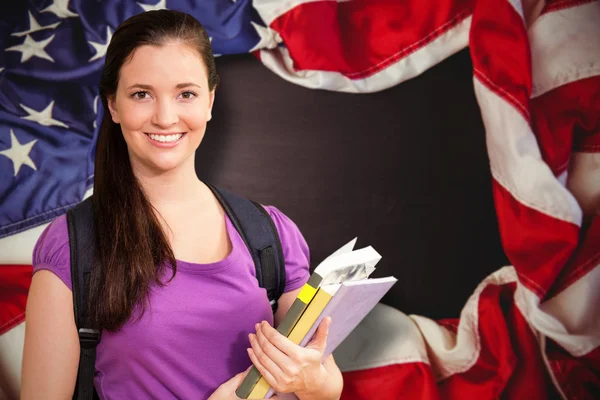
{"x": 250, "y": 336}
{"x": 256, "y": 326}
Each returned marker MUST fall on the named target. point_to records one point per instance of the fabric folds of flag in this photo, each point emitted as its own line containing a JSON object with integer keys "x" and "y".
{"x": 529, "y": 330}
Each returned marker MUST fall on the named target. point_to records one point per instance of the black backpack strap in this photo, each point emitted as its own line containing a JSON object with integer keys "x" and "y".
{"x": 255, "y": 226}
{"x": 80, "y": 222}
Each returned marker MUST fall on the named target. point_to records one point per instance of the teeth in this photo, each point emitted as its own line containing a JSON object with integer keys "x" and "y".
{"x": 166, "y": 138}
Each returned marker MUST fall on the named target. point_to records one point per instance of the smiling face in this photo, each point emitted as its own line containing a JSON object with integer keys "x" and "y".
{"x": 162, "y": 103}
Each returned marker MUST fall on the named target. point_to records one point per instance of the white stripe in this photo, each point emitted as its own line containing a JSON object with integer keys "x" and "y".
{"x": 451, "y": 354}
{"x": 516, "y": 162}
{"x": 518, "y": 6}
{"x": 552, "y": 325}
{"x": 455, "y": 39}
{"x": 384, "y": 337}
{"x": 562, "y": 178}
{"x": 577, "y": 309}
{"x": 542, "y": 347}
{"x": 572, "y": 319}
{"x": 270, "y": 10}
{"x": 18, "y": 248}
{"x": 584, "y": 181}
{"x": 11, "y": 356}
{"x": 387, "y": 336}
{"x": 565, "y": 47}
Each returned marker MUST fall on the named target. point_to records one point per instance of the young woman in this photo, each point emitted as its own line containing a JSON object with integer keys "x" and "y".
{"x": 173, "y": 288}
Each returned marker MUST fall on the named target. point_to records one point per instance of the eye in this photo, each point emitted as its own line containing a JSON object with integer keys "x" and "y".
{"x": 188, "y": 95}
{"x": 141, "y": 95}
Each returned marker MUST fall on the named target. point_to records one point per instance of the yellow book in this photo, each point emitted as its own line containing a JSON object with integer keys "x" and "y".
{"x": 342, "y": 265}
{"x": 304, "y": 324}
{"x": 285, "y": 327}
{"x": 346, "y": 303}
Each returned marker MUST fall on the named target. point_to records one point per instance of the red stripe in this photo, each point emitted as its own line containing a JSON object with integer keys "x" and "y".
{"x": 555, "y": 5}
{"x": 449, "y": 323}
{"x": 14, "y": 286}
{"x": 537, "y": 244}
{"x": 399, "y": 381}
{"x": 586, "y": 257}
{"x": 500, "y": 52}
{"x": 360, "y": 38}
{"x": 579, "y": 377}
{"x": 587, "y": 131}
{"x": 510, "y": 364}
{"x": 567, "y": 119}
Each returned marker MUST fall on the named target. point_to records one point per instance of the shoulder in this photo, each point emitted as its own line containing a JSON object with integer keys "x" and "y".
{"x": 295, "y": 248}
{"x": 289, "y": 233}
{"x": 285, "y": 225}
{"x": 52, "y": 251}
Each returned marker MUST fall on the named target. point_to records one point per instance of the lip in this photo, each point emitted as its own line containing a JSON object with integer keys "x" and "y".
{"x": 164, "y": 145}
{"x": 163, "y": 133}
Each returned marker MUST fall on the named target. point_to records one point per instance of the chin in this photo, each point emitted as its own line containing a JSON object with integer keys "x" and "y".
{"x": 166, "y": 165}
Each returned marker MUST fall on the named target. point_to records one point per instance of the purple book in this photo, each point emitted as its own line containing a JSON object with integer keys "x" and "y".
{"x": 351, "y": 303}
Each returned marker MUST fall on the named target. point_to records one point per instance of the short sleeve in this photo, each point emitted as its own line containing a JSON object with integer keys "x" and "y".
{"x": 52, "y": 253}
{"x": 295, "y": 250}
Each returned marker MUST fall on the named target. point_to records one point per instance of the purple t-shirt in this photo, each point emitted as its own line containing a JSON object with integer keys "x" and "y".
{"x": 194, "y": 334}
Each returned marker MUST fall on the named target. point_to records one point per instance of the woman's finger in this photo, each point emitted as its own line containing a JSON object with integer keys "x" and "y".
{"x": 282, "y": 343}
{"x": 263, "y": 357}
{"x": 237, "y": 379}
{"x": 319, "y": 342}
{"x": 267, "y": 368}
{"x": 285, "y": 363}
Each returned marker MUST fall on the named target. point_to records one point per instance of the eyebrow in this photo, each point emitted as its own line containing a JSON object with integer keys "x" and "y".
{"x": 149, "y": 87}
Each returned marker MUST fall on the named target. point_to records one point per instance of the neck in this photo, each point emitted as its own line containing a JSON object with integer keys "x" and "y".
{"x": 173, "y": 188}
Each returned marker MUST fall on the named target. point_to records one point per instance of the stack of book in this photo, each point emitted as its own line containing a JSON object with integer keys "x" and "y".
{"x": 340, "y": 288}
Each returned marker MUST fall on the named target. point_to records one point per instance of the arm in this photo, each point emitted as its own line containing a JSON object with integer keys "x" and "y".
{"x": 51, "y": 350}
{"x": 284, "y": 303}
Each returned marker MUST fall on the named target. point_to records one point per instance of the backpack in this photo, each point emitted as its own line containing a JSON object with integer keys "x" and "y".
{"x": 249, "y": 218}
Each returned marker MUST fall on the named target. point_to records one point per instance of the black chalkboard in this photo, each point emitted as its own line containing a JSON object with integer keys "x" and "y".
{"x": 406, "y": 170}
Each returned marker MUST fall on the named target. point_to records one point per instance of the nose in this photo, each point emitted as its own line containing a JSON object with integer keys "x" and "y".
{"x": 165, "y": 114}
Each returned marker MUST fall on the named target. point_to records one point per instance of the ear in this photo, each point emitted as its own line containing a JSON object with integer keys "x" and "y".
{"x": 112, "y": 108}
{"x": 211, "y": 101}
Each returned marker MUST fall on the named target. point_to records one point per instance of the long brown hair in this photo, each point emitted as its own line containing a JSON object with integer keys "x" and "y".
{"x": 131, "y": 248}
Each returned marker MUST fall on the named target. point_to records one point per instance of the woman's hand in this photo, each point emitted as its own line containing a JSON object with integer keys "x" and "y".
{"x": 289, "y": 368}
{"x": 227, "y": 390}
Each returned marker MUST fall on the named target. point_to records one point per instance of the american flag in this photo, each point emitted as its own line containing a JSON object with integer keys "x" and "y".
{"x": 531, "y": 329}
